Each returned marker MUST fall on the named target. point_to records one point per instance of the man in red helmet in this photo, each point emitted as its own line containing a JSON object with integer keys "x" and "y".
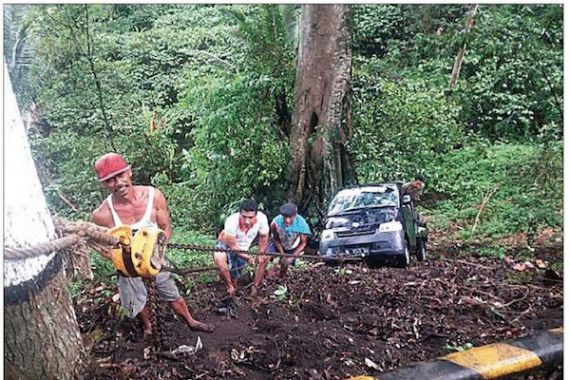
{"x": 138, "y": 206}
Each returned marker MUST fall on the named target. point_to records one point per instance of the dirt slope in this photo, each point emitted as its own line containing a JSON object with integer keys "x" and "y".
{"x": 332, "y": 320}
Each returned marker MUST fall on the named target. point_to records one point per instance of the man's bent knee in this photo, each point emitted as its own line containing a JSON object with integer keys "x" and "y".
{"x": 286, "y": 261}
{"x": 220, "y": 259}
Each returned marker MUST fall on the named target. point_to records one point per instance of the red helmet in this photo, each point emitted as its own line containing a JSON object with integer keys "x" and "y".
{"x": 110, "y": 165}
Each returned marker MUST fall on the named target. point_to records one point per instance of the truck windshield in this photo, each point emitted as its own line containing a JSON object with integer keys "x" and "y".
{"x": 354, "y": 199}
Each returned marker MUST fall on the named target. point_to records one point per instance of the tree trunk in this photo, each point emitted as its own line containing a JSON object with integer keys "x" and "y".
{"x": 321, "y": 125}
{"x": 41, "y": 335}
{"x": 461, "y": 52}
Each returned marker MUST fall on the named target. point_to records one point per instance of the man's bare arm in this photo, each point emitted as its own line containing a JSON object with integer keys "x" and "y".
{"x": 263, "y": 242}
{"x": 276, "y": 240}
{"x": 162, "y": 214}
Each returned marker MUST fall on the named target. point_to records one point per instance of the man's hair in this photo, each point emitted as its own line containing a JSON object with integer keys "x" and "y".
{"x": 420, "y": 177}
{"x": 248, "y": 205}
{"x": 288, "y": 209}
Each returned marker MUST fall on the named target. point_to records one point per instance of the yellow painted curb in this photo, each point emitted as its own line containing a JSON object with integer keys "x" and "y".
{"x": 495, "y": 360}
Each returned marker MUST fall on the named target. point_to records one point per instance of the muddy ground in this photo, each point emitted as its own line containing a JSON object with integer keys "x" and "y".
{"x": 336, "y": 322}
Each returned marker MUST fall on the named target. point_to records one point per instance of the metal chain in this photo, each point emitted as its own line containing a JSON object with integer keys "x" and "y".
{"x": 209, "y": 249}
{"x": 155, "y": 326}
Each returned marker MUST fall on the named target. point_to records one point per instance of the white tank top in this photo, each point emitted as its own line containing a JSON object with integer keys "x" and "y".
{"x": 144, "y": 222}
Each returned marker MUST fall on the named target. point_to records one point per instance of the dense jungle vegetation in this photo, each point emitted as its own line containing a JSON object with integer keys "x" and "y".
{"x": 192, "y": 96}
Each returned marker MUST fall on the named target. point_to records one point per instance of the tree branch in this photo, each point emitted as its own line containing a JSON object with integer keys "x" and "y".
{"x": 486, "y": 200}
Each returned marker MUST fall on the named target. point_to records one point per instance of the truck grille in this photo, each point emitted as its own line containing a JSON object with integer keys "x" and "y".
{"x": 356, "y": 232}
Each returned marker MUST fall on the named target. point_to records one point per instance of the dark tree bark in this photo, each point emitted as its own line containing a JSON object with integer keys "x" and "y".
{"x": 41, "y": 335}
{"x": 321, "y": 125}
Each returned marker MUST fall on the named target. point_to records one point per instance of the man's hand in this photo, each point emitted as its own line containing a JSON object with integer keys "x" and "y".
{"x": 107, "y": 254}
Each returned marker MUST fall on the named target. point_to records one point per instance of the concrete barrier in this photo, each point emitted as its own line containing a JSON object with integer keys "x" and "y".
{"x": 486, "y": 362}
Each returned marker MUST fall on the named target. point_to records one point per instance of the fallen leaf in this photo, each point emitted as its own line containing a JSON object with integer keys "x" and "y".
{"x": 199, "y": 344}
{"x": 369, "y": 363}
{"x": 521, "y": 267}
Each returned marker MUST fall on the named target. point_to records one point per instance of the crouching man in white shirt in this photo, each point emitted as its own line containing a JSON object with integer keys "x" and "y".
{"x": 240, "y": 231}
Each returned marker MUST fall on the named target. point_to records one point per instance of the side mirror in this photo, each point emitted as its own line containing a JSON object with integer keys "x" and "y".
{"x": 406, "y": 199}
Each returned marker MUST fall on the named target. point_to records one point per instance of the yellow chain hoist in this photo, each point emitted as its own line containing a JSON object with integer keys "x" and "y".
{"x": 141, "y": 254}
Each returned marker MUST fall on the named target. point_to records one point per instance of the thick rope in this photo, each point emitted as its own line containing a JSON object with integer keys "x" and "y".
{"x": 41, "y": 249}
{"x": 76, "y": 233}
{"x": 93, "y": 232}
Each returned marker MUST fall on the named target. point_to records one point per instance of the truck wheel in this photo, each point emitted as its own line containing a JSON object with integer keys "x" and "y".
{"x": 421, "y": 250}
{"x": 404, "y": 260}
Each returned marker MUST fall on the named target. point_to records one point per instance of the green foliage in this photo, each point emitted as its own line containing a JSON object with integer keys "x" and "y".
{"x": 510, "y": 89}
{"x": 170, "y": 87}
{"x": 493, "y": 251}
{"x": 399, "y": 127}
{"x": 524, "y": 200}
{"x": 101, "y": 267}
{"x": 510, "y": 83}
{"x": 236, "y": 148}
{"x": 185, "y": 258}
{"x": 195, "y": 98}
{"x": 281, "y": 293}
{"x": 513, "y": 71}
{"x": 416, "y": 32}
{"x": 270, "y": 47}
{"x": 66, "y": 172}
{"x": 453, "y": 347}
{"x": 237, "y": 142}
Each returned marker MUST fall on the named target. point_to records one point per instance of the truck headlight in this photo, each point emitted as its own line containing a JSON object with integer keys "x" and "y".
{"x": 327, "y": 235}
{"x": 390, "y": 227}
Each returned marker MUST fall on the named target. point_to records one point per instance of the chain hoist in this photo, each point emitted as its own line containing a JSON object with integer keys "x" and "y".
{"x": 142, "y": 254}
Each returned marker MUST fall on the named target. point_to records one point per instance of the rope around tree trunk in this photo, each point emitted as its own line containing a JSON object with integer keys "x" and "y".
{"x": 71, "y": 233}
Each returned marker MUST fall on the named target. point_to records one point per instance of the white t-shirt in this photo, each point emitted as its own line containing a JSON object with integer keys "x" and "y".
{"x": 244, "y": 239}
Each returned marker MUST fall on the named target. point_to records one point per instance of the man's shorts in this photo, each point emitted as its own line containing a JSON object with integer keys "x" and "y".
{"x": 134, "y": 294}
{"x": 271, "y": 248}
{"x": 236, "y": 264}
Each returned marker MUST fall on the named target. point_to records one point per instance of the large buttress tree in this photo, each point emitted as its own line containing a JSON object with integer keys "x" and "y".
{"x": 321, "y": 125}
{"x": 41, "y": 335}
